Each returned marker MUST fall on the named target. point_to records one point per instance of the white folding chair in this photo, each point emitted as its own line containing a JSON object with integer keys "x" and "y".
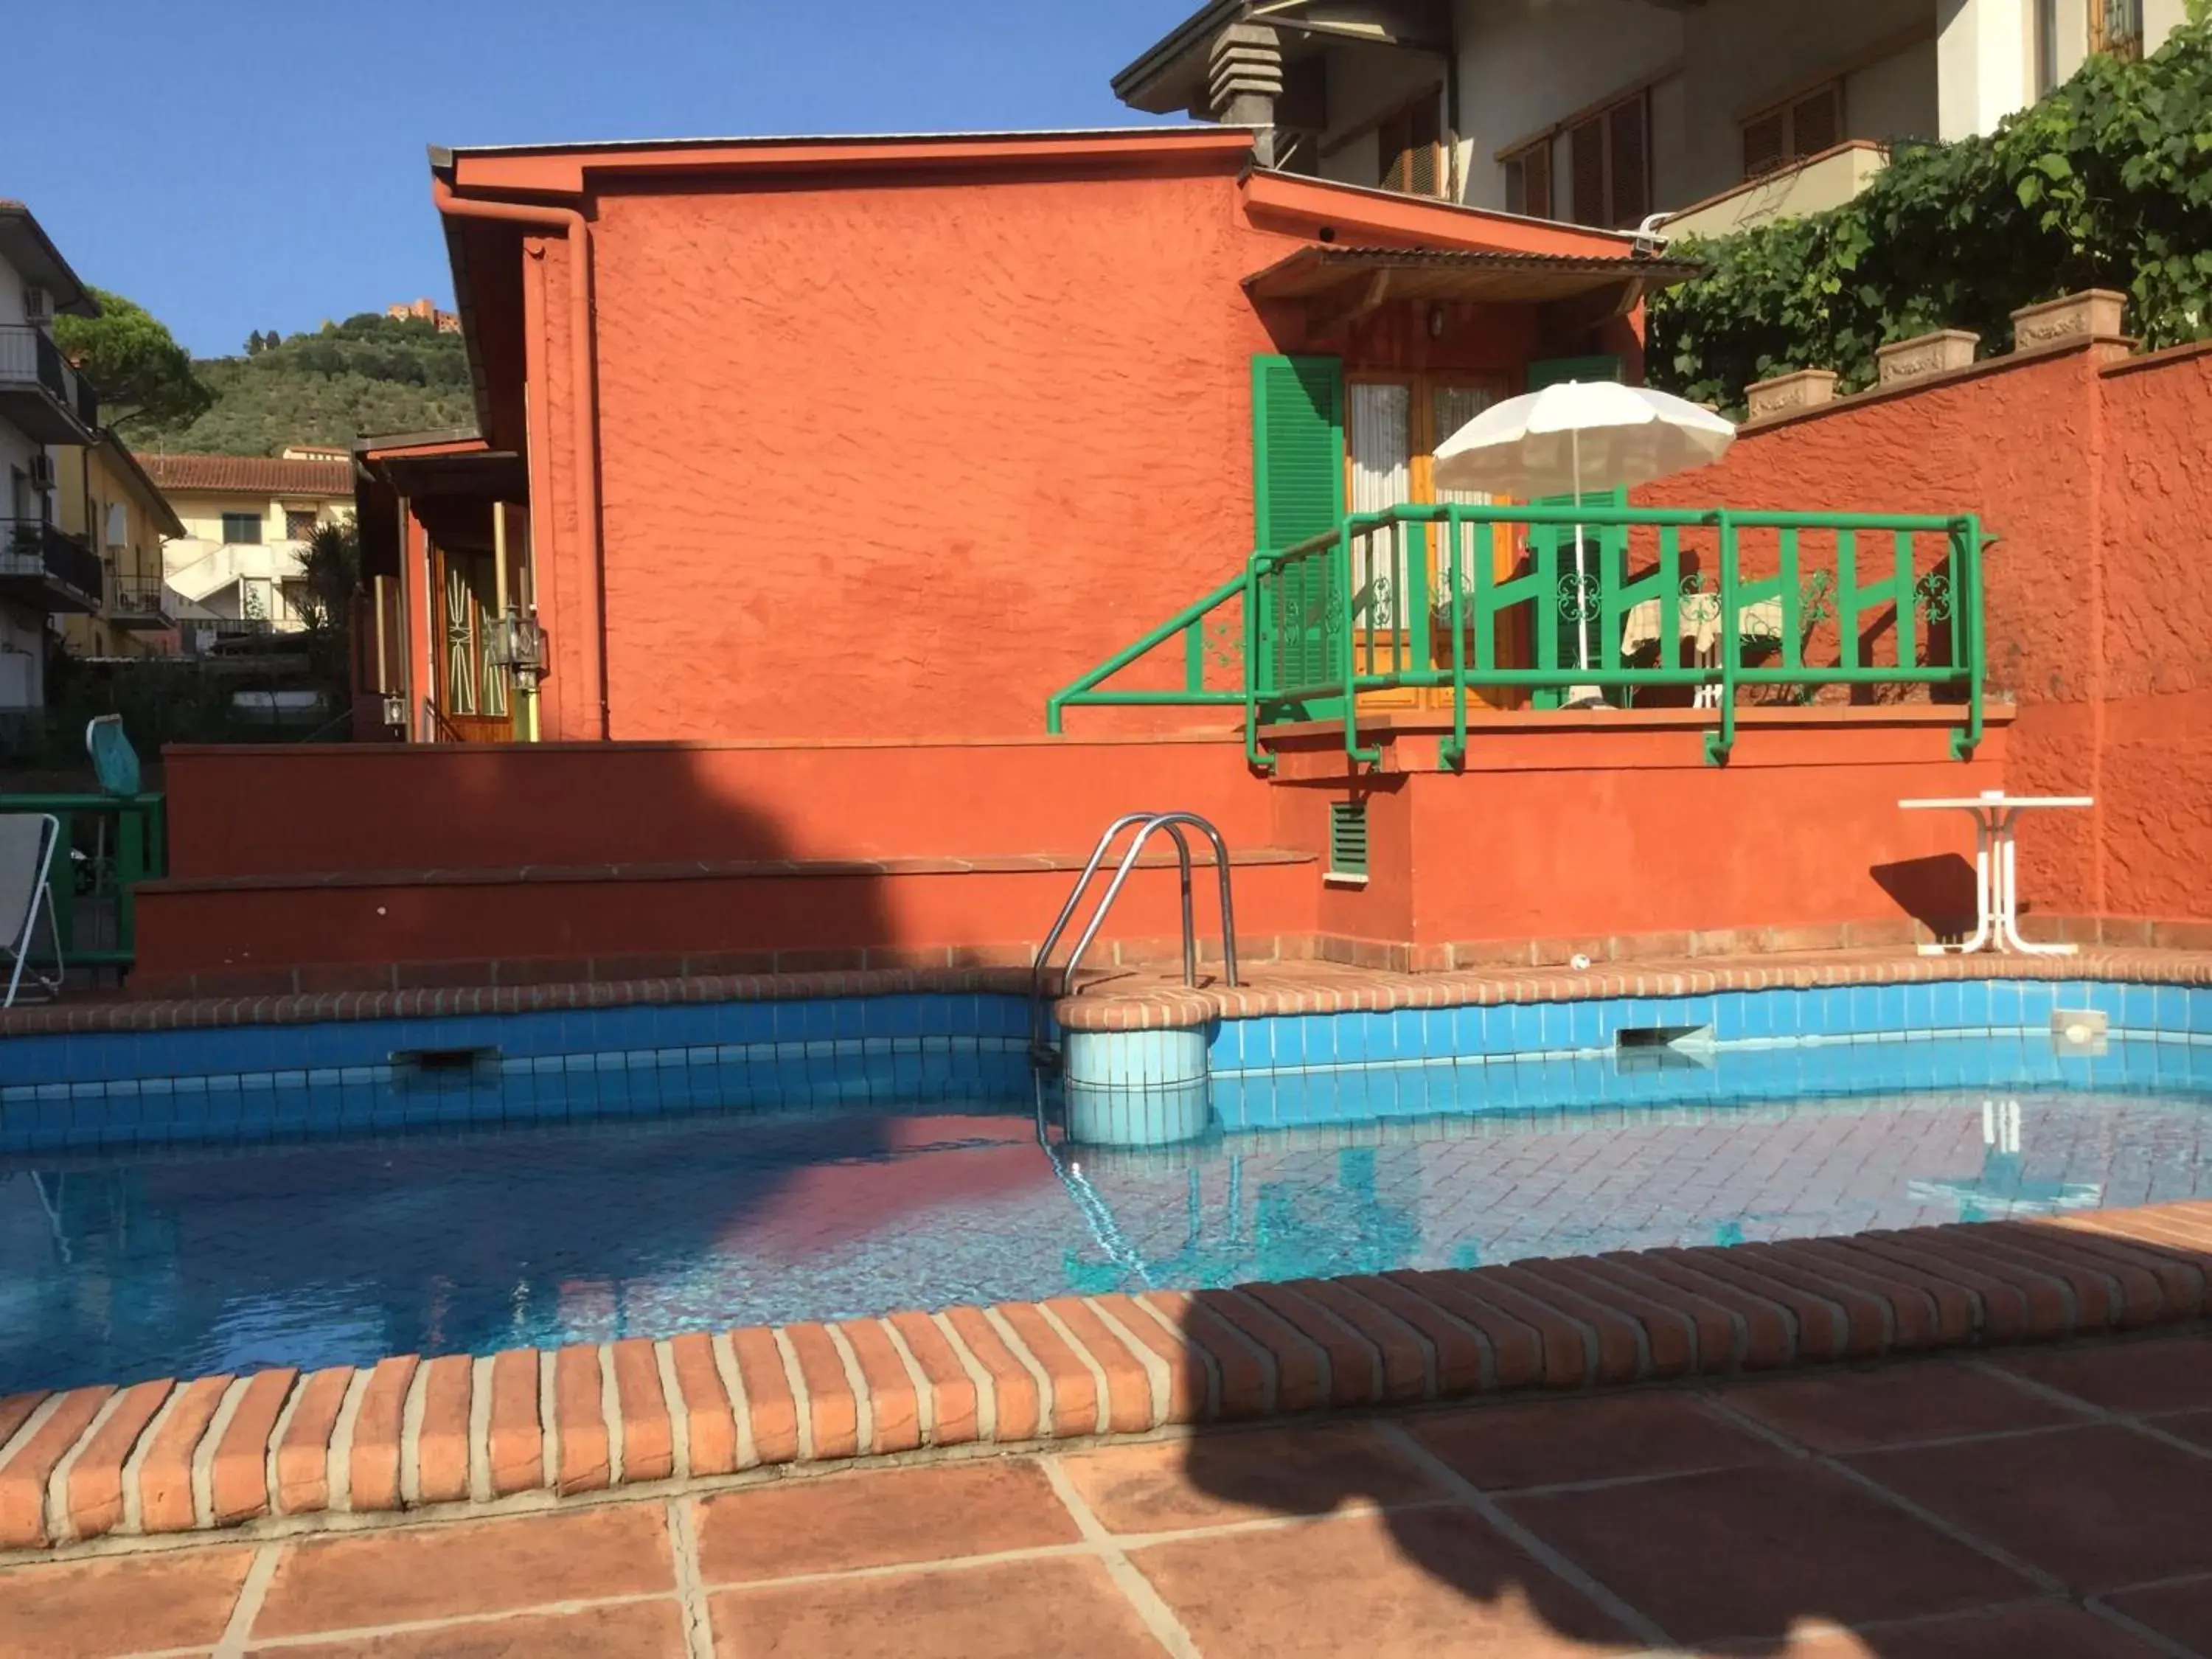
{"x": 27, "y": 855}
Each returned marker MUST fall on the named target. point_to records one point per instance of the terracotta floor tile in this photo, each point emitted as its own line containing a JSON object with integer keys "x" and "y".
{"x": 1849, "y": 1411}
{"x": 364, "y": 1579}
{"x": 637, "y": 1630}
{"x": 89, "y": 1609}
{"x": 1749, "y": 1552}
{"x": 1213, "y": 1478}
{"x": 1013, "y": 1610}
{"x": 2047, "y": 1630}
{"x": 2099, "y": 1507}
{"x": 878, "y": 1518}
{"x": 2171, "y": 1375}
{"x": 1417, "y": 1583}
{"x": 2183, "y": 1612}
{"x": 1598, "y": 1438}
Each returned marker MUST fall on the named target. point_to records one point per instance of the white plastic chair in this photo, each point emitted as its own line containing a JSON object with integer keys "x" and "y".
{"x": 27, "y": 856}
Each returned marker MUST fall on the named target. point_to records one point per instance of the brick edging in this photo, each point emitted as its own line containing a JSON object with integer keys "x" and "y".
{"x": 164, "y": 1458}
{"x": 1134, "y": 999}
{"x": 1145, "y": 1004}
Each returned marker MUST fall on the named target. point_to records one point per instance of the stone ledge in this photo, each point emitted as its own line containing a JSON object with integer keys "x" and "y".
{"x": 1132, "y": 1003}
{"x": 345, "y": 1446}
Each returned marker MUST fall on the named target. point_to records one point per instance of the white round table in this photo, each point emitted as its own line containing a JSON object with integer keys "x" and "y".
{"x": 1996, "y": 882}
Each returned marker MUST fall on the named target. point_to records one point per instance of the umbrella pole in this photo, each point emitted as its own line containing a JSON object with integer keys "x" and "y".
{"x": 1582, "y": 598}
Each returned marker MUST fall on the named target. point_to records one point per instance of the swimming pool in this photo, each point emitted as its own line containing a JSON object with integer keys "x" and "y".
{"x": 477, "y": 1207}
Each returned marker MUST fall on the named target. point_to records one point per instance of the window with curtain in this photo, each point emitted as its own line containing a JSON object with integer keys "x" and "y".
{"x": 2116, "y": 27}
{"x": 1380, "y": 443}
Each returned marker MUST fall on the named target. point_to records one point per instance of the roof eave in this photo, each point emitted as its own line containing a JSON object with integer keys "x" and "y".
{"x": 1141, "y": 77}
{"x": 51, "y": 271}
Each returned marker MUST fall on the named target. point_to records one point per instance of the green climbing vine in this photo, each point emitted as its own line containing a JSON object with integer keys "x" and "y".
{"x": 2106, "y": 183}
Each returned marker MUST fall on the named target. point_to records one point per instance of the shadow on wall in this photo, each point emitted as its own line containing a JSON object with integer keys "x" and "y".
{"x": 1936, "y": 891}
{"x": 1738, "y": 1519}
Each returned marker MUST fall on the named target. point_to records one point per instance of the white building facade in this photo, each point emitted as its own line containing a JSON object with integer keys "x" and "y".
{"x": 1608, "y": 112}
{"x": 44, "y": 572}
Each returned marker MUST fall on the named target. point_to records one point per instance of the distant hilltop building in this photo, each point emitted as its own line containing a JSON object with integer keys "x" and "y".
{"x": 445, "y": 321}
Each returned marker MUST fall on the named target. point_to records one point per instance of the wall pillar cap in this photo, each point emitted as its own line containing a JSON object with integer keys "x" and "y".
{"x": 1804, "y": 388}
{"x": 1924, "y": 355}
{"x": 2093, "y": 313}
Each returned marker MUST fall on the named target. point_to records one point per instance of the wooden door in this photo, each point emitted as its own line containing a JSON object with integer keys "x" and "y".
{"x": 474, "y": 702}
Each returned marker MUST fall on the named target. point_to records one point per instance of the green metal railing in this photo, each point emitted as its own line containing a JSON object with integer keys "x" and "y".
{"x": 132, "y": 849}
{"x": 1413, "y": 597}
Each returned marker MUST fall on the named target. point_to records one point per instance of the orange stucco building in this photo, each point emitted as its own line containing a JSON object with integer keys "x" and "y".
{"x": 846, "y": 438}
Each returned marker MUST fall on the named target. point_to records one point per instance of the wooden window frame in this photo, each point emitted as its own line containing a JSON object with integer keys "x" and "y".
{"x": 1785, "y": 111}
{"x": 1599, "y": 123}
{"x": 1439, "y": 147}
{"x": 1518, "y": 161}
{"x": 2101, "y": 39}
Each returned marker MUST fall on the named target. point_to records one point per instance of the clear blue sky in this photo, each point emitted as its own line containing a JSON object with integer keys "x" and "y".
{"x": 235, "y": 165}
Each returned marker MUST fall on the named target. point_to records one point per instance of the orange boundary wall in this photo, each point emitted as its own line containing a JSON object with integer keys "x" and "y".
{"x": 2093, "y": 469}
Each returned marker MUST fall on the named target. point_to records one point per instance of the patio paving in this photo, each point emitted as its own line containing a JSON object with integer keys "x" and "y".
{"x": 2050, "y": 1501}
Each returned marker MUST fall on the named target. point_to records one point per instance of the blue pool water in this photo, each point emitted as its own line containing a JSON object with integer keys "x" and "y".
{"x": 486, "y": 1220}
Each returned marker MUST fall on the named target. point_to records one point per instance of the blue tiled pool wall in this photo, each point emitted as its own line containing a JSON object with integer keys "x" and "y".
{"x": 1312, "y": 1070}
{"x": 1953, "y": 1008}
{"x": 88, "y": 1091}
{"x": 246, "y": 1083}
{"x": 1592, "y": 1085}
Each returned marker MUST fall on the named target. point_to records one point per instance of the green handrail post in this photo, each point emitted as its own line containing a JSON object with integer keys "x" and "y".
{"x": 1454, "y": 753}
{"x": 1905, "y": 586}
{"x": 1721, "y": 744}
{"x": 1966, "y": 642}
{"x": 1847, "y": 597}
{"x": 1340, "y": 570}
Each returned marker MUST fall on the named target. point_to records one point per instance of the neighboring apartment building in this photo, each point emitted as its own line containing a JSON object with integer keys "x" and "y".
{"x": 44, "y": 571}
{"x": 246, "y": 520}
{"x": 1721, "y": 112}
{"x": 107, "y": 503}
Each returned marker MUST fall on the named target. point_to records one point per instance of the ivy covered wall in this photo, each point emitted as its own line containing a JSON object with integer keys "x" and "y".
{"x": 2106, "y": 183}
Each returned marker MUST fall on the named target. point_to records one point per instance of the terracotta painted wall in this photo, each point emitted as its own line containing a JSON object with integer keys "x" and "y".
{"x": 1615, "y": 827}
{"x": 2099, "y": 604}
{"x": 867, "y": 449}
{"x": 247, "y": 810}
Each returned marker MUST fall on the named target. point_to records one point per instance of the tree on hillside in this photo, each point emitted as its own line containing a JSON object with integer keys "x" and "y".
{"x": 141, "y": 372}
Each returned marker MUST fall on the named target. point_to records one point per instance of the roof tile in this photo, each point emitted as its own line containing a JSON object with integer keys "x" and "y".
{"x": 252, "y": 474}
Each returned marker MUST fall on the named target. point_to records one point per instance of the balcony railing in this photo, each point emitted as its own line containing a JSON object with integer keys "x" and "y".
{"x": 67, "y": 572}
{"x": 29, "y": 358}
{"x": 141, "y": 607}
{"x": 1446, "y": 605}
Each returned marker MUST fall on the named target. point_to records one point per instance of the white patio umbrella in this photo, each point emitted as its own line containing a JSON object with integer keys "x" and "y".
{"x": 1575, "y": 437}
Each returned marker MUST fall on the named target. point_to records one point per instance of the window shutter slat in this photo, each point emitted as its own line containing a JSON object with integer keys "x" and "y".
{"x": 1632, "y": 193}
{"x": 1298, "y": 491}
{"x": 1586, "y": 158}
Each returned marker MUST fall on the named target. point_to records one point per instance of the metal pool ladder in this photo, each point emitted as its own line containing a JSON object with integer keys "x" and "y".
{"x": 1146, "y": 824}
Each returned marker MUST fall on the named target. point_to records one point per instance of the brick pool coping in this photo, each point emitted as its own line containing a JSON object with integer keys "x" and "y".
{"x": 1144, "y": 997}
{"x": 282, "y": 1451}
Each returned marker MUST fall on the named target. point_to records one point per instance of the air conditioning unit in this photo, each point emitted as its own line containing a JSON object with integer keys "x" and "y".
{"x": 38, "y": 305}
{"x": 42, "y": 471}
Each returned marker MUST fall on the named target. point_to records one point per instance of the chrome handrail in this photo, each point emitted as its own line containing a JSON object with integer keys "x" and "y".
{"x": 1147, "y": 824}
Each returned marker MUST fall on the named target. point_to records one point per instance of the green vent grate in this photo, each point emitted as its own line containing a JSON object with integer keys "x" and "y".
{"x": 1347, "y": 840}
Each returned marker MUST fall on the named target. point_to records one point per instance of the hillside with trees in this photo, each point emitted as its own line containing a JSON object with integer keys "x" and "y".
{"x": 370, "y": 374}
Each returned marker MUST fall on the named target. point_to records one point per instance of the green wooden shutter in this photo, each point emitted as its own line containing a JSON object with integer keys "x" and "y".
{"x": 1298, "y": 491}
{"x": 1612, "y": 544}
